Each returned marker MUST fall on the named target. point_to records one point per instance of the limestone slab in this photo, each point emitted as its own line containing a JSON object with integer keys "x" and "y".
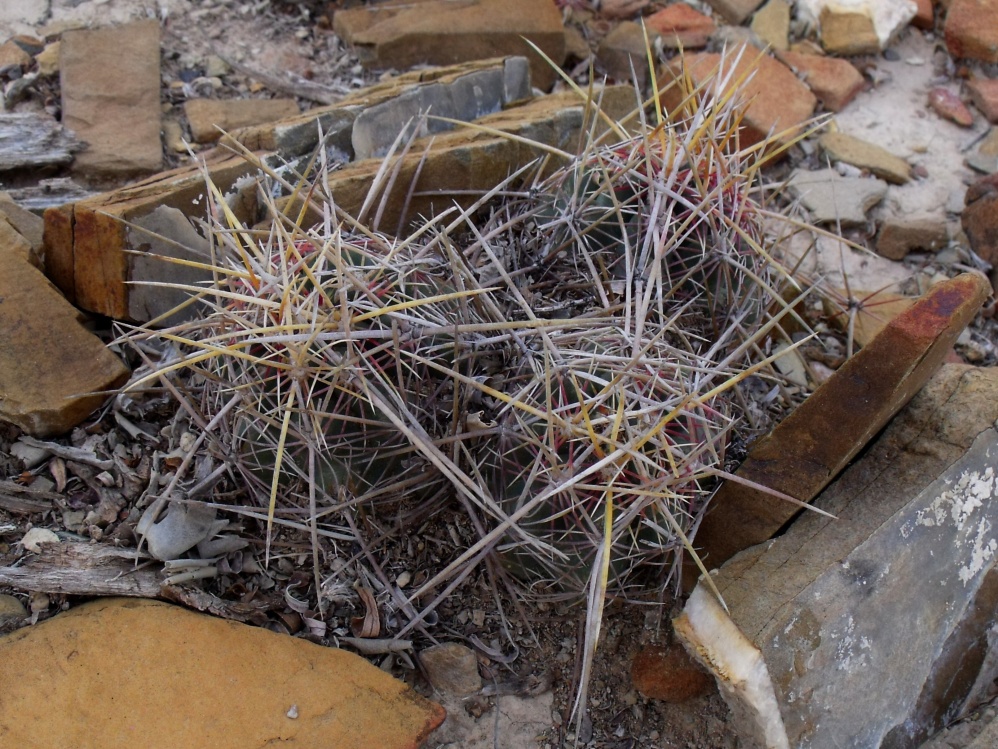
{"x": 119, "y": 673}
{"x": 833, "y": 199}
{"x": 864, "y": 155}
{"x": 834, "y": 81}
{"x": 208, "y": 117}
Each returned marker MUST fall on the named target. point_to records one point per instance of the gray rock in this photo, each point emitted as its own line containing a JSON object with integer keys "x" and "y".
{"x": 451, "y": 668}
{"x": 832, "y": 198}
{"x": 874, "y": 629}
{"x": 185, "y": 525}
{"x": 11, "y": 610}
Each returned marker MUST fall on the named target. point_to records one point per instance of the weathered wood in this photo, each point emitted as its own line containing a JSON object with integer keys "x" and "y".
{"x": 30, "y": 139}
{"x": 84, "y": 570}
{"x": 49, "y": 193}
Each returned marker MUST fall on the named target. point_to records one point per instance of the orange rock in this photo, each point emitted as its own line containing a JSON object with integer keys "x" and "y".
{"x": 948, "y": 105}
{"x": 207, "y": 115}
{"x": 834, "y": 81}
{"x": 848, "y": 33}
{"x": 775, "y": 101}
{"x": 925, "y": 15}
{"x": 668, "y": 673}
{"x": 815, "y": 442}
{"x": 119, "y": 673}
{"x": 984, "y": 93}
{"x": 972, "y": 29}
{"x": 681, "y": 25}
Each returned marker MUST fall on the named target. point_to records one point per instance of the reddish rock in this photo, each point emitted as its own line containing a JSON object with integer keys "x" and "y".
{"x": 668, "y": 673}
{"x": 623, "y": 53}
{"x": 864, "y": 313}
{"x": 110, "y": 83}
{"x": 972, "y": 29}
{"x": 980, "y": 218}
{"x": 777, "y": 102}
{"x": 816, "y": 441}
{"x": 681, "y": 25}
{"x": 925, "y": 15}
{"x": 834, "y": 81}
{"x": 899, "y": 236}
{"x": 207, "y": 115}
{"x": 441, "y": 32}
{"x": 949, "y": 106}
{"x": 734, "y": 11}
{"x": 119, "y": 673}
{"x": 984, "y": 93}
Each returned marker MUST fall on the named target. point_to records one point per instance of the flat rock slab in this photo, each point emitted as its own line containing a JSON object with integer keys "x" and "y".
{"x": 833, "y": 199}
{"x": 441, "y": 32}
{"x": 51, "y": 368}
{"x": 110, "y": 83}
{"x": 120, "y": 673}
{"x": 858, "y": 152}
{"x": 29, "y": 139}
{"x": 872, "y": 628}
{"x": 812, "y": 445}
{"x": 209, "y": 117}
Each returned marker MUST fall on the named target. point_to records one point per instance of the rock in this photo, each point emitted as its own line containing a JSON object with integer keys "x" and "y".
{"x": 777, "y": 103}
{"x": 858, "y": 27}
{"x": 15, "y": 14}
{"x": 88, "y": 243}
{"x": 78, "y": 679}
{"x": 12, "y": 55}
{"x": 680, "y": 25}
{"x": 184, "y": 526}
{"x": 12, "y": 611}
{"x": 110, "y": 83}
{"x": 519, "y": 721}
{"x": 48, "y": 59}
{"x": 899, "y": 236}
{"x": 894, "y": 599}
{"x": 439, "y": 32}
{"x": 971, "y": 29}
{"x": 832, "y": 198}
{"x": 367, "y": 122}
{"x": 32, "y": 139}
{"x": 980, "y": 218}
{"x": 207, "y": 115}
{"x": 860, "y": 153}
{"x": 617, "y": 9}
{"x": 925, "y": 18}
{"x": 874, "y": 312}
{"x": 668, "y": 674}
{"x": 818, "y": 439}
{"x": 771, "y": 23}
{"x": 34, "y": 539}
{"x": 48, "y": 360}
{"x": 835, "y": 82}
{"x": 27, "y": 223}
{"x": 623, "y": 53}
{"x": 12, "y": 242}
{"x": 734, "y": 11}
{"x": 452, "y": 669}
{"x": 979, "y": 730}
{"x": 984, "y": 94}
{"x": 949, "y": 106}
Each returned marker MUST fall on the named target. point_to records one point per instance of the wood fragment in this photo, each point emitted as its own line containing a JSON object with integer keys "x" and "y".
{"x": 49, "y": 193}
{"x": 30, "y": 140}
{"x": 75, "y": 454}
{"x": 23, "y": 505}
{"x": 290, "y": 84}
{"x": 82, "y": 569}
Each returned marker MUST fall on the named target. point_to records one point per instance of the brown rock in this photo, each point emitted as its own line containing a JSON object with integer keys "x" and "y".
{"x": 984, "y": 93}
{"x": 680, "y": 25}
{"x": 48, "y": 360}
{"x": 847, "y": 33}
{"x": 980, "y": 217}
{"x": 771, "y": 23}
{"x": 899, "y": 236}
{"x": 972, "y": 29}
{"x": 924, "y": 16}
{"x": 871, "y": 312}
{"x": 12, "y": 242}
{"x": 778, "y": 103}
{"x": 734, "y": 11}
{"x": 623, "y": 53}
{"x": 949, "y": 106}
{"x": 114, "y": 669}
{"x": 668, "y": 673}
{"x": 11, "y": 53}
{"x": 88, "y": 244}
{"x": 834, "y": 81}
{"x": 618, "y": 9}
{"x": 48, "y": 59}
{"x": 816, "y": 441}
{"x": 27, "y": 223}
{"x": 110, "y": 83}
{"x": 860, "y": 153}
{"x": 440, "y": 32}
{"x": 206, "y": 116}
{"x": 452, "y": 668}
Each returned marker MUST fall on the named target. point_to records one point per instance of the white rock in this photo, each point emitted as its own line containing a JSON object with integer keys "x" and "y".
{"x": 888, "y": 16}
{"x": 36, "y": 536}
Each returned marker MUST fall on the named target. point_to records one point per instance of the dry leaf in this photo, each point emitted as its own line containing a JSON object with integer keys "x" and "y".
{"x": 369, "y": 625}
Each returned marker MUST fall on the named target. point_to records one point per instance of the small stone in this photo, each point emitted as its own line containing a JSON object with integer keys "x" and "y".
{"x": 206, "y": 116}
{"x": 23, "y": 13}
{"x": 771, "y": 23}
{"x": 619, "y": 9}
{"x": 848, "y": 34}
{"x": 77, "y": 678}
{"x": 11, "y": 241}
{"x": 834, "y": 199}
{"x": 854, "y": 27}
{"x": 984, "y": 94}
{"x": 27, "y": 223}
{"x": 971, "y": 29}
{"x": 873, "y": 311}
{"x": 681, "y": 25}
{"x": 11, "y": 610}
{"x": 12, "y": 54}
{"x": 452, "y": 669}
{"x": 575, "y": 44}
{"x": 173, "y": 135}
{"x": 734, "y": 11}
{"x": 216, "y": 67}
{"x": 834, "y": 81}
{"x": 980, "y": 218}
{"x": 623, "y": 53}
{"x": 949, "y": 106}
{"x": 668, "y": 673}
{"x": 924, "y": 16}
{"x": 110, "y": 80}
{"x": 860, "y": 153}
{"x": 899, "y": 236}
{"x": 34, "y": 538}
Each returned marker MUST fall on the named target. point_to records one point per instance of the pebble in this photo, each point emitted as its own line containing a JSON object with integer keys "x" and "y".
{"x": 949, "y": 106}
{"x": 452, "y": 668}
{"x": 11, "y": 610}
{"x": 860, "y": 153}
